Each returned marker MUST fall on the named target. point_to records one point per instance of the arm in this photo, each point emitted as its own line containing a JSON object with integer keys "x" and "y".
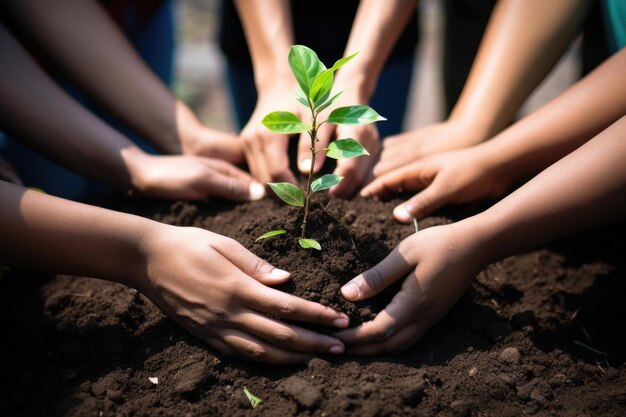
{"x": 81, "y": 40}
{"x": 376, "y": 28}
{"x": 511, "y": 61}
{"x": 214, "y": 287}
{"x": 527, "y": 147}
{"x": 37, "y": 111}
{"x": 269, "y": 33}
{"x": 442, "y": 261}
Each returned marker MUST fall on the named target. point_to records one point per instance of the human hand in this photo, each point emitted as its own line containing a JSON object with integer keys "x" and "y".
{"x": 218, "y": 291}
{"x": 405, "y": 148}
{"x": 437, "y": 264}
{"x": 454, "y": 177}
{"x": 267, "y": 152}
{"x": 355, "y": 170}
{"x": 189, "y": 177}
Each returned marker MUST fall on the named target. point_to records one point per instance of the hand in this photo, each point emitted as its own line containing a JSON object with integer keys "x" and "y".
{"x": 453, "y": 177}
{"x": 217, "y": 290}
{"x": 355, "y": 170}
{"x": 437, "y": 264}
{"x": 267, "y": 152}
{"x": 191, "y": 178}
{"x": 405, "y": 148}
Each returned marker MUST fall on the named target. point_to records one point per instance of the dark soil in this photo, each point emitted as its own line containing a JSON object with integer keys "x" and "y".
{"x": 517, "y": 343}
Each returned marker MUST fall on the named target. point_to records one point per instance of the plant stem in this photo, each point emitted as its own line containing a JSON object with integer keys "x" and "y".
{"x": 307, "y": 192}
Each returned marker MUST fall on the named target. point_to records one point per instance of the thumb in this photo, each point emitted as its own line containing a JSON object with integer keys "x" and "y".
{"x": 304, "y": 149}
{"x": 421, "y": 204}
{"x": 376, "y": 279}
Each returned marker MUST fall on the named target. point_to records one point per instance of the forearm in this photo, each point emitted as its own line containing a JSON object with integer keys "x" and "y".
{"x": 81, "y": 40}
{"x": 582, "y": 190}
{"x": 269, "y": 33}
{"x": 48, "y": 233}
{"x": 377, "y": 25}
{"x": 560, "y": 126}
{"x": 523, "y": 41}
{"x": 37, "y": 111}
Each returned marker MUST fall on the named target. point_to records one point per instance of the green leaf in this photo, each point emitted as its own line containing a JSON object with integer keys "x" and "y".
{"x": 323, "y": 84}
{"x": 284, "y": 122}
{"x": 254, "y": 400}
{"x": 345, "y": 149}
{"x": 325, "y": 182}
{"x": 309, "y": 244}
{"x": 271, "y": 234}
{"x": 301, "y": 97}
{"x": 354, "y": 115}
{"x": 289, "y": 193}
{"x": 324, "y": 105}
{"x": 305, "y": 66}
{"x": 341, "y": 62}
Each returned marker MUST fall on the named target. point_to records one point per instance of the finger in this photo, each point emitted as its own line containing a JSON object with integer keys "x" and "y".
{"x": 397, "y": 343}
{"x": 288, "y": 336}
{"x": 399, "y": 313}
{"x": 254, "y": 157}
{"x": 275, "y": 153}
{"x": 407, "y": 178}
{"x": 221, "y": 145}
{"x": 251, "y": 348}
{"x": 250, "y": 264}
{"x": 422, "y": 204}
{"x": 227, "y": 168}
{"x": 231, "y": 188}
{"x": 355, "y": 171}
{"x": 376, "y": 279}
{"x": 286, "y": 306}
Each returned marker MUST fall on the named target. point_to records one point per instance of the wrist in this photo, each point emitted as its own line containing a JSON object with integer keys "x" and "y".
{"x": 359, "y": 88}
{"x": 137, "y": 164}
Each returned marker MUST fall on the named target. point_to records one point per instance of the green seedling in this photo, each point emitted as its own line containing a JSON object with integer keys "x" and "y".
{"x": 254, "y": 400}
{"x": 315, "y": 83}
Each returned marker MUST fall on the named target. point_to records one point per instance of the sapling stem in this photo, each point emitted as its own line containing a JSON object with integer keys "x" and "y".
{"x": 307, "y": 192}
{"x": 315, "y": 83}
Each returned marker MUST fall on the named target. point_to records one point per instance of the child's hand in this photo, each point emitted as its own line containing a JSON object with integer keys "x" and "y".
{"x": 454, "y": 177}
{"x": 437, "y": 264}
{"x": 191, "y": 178}
{"x": 218, "y": 291}
{"x": 406, "y": 148}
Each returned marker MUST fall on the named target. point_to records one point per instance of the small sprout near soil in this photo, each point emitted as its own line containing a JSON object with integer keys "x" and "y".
{"x": 315, "y": 84}
{"x": 415, "y": 224}
{"x": 254, "y": 400}
{"x": 271, "y": 234}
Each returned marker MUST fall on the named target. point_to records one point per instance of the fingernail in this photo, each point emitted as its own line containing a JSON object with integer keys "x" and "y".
{"x": 305, "y": 164}
{"x": 336, "y": 350}
{"x": 350, "y": 291}
{"x": 340, "y": 322}
{"x": 364, "y": 192}
{"x": 403, "y": 213}
{"x": 278, "y": 273}
{"x": 257, "y": 191}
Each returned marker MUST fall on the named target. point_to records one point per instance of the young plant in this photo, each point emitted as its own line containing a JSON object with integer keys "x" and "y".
{"x": 315, "y": 84}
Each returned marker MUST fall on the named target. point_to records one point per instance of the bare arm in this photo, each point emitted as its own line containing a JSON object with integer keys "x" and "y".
{"x": 523, "y": 41}
{"x": 80, "y": 38}
{"x": 213, "y": 287}
{"x": 522, "y": 150}
{"x": 41, "y": 114}
{"x": 582, "y": 190}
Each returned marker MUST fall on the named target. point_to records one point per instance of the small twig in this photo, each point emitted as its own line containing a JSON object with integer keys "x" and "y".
{"x": 354, "y": 246}
{"x": 586, "y": 346}
{"x": 430, "y": 384}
